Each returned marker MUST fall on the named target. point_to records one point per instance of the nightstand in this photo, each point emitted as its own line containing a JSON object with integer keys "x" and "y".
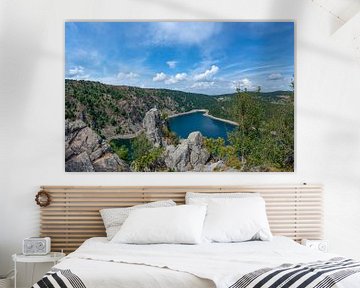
{"x": 320, "y": 245}
{"x": 53, "y": 257}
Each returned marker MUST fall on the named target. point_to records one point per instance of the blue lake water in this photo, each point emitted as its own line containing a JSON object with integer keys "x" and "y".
{"x": 183, "y": 125}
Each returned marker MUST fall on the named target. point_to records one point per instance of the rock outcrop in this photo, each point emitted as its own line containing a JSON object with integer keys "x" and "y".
{"x": 85, "y": 151}
{"x": 79, "y": 163}
{"x": 178, "y": 158}
{"x": 152, "y": 124}
{"x": 198, "y": 155}
{"x": 188, "y": 155}
{"x": 216, "y": 167}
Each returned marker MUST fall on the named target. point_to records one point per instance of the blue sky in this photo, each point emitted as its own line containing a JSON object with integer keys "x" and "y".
{"x": 202, "y": 57}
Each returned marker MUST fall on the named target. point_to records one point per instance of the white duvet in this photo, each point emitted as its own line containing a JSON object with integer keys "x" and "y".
{"x": 100, "y": 263}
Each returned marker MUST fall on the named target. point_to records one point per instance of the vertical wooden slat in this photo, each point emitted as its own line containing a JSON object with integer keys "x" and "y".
{"x": 73, "y": 215}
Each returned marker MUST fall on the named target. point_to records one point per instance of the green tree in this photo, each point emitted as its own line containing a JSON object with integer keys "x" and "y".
{"x": 220, "y": 151}
{"x": 146, "y": 157}
{"x": 265, "y": 137}
{"x": 248, "y": 112}
{"x": 122, "y": 151}
{"x": 141, "y": 146}
{"x": 151, "y": 161}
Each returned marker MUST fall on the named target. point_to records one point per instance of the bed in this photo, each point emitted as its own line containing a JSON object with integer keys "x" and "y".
{"x": 99, "y": 263}
{"x": 294, "y": 211}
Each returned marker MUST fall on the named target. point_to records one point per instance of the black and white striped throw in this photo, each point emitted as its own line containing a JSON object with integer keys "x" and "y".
{"x": 58, "y": 278}
{"x": 320, "y": 274}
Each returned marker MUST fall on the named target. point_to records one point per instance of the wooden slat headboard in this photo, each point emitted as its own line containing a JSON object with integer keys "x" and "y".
{"x": 73, "y": 215}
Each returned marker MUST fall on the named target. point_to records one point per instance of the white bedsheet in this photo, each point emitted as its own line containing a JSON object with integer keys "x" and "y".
{"x": 102, "y": 264}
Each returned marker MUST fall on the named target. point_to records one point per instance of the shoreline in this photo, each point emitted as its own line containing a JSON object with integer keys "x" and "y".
{"x": 126, "y": 136}
{"x": 206, "y": 113}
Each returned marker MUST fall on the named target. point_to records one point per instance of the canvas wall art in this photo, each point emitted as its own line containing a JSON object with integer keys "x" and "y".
{"x": 179, "y": 96}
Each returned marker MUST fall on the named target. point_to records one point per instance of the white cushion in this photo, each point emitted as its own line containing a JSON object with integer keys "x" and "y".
{"x": 113, "y": 218}
{"x": 236, "y": 220}
{"x": 181, "y": 225}
{"x": 204, "y": 198}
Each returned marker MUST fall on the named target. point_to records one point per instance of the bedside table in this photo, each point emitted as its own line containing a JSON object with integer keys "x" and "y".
{"x": 53, "y": 257}
{"x": 320, "y": 245}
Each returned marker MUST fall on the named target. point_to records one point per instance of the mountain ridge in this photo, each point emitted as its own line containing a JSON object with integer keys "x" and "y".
{"x": 119, "y": 109}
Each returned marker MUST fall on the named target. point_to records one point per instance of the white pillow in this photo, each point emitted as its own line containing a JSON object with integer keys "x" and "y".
{"x": 173, "y": 225}
{"x": 204, "y": 198}
{"x": 113, "y": 218}
{"x": 236, "y": 220}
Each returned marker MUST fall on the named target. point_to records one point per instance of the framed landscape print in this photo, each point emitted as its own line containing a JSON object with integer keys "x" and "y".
{"x": 179, "y": 96}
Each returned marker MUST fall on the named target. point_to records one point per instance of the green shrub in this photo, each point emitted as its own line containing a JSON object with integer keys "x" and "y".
{"x": 170, "y": 136}
{"x": 151, "y": 161}
{"x": 220, "y": 151}
{"x": 140, "y": 146}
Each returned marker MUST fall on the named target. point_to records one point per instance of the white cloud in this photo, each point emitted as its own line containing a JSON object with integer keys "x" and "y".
{"x": 177, "y": 78}
{"x": 246, "y": 83}
{"x": 130, "y": 75}
{"x": 164, "y": 33}
{"x": 275, "y": 76}
{"x": 77, "y": 70}
{"x": 171, "y": 64}
{"x": 203, "y": 85}
{"x": 207, "y": 75}
{"x": 243, "y": 84}
{"x": 160, "y": 77}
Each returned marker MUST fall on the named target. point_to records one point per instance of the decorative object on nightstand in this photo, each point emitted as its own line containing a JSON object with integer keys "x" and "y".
{"x": 36, "y": 246}
{"x": 52, "y": 257}
{"x": 320, "y": 245}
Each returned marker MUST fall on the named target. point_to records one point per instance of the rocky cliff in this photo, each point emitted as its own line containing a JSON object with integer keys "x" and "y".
{"x": 85, "y": 151}
{"x": 188, "y": 155}
{"x": 153, "y": 126}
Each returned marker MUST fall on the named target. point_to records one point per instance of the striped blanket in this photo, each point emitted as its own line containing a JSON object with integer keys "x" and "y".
{"x": 320, "y": 274}
{"x": 57, "y": 278}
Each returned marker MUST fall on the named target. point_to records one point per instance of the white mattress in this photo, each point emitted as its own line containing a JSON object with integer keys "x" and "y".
{"x": 102, "y": 264}
{"x": 106, "y": 274}
{"x": 122, "y": 275}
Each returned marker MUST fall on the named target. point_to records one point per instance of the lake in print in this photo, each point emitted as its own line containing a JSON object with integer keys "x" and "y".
{"x": 184, "y": 124}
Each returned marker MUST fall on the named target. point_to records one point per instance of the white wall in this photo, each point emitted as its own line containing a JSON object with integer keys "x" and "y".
{"x": 32, "y": 108}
